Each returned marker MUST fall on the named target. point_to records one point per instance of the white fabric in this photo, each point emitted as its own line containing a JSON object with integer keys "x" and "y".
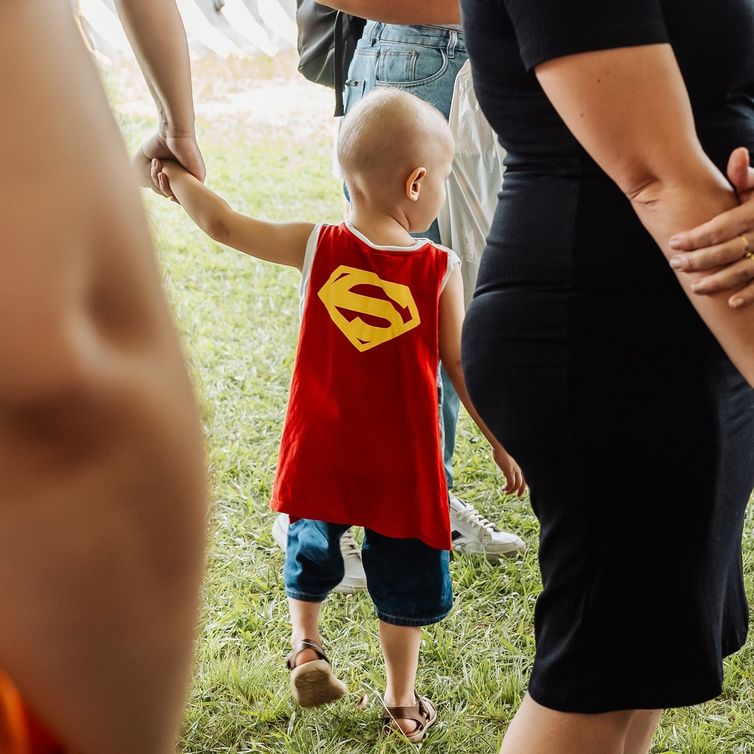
{"x": 474, "y": 182}
{"x": 306, "y": 269}
{"x": 248, "y": 27}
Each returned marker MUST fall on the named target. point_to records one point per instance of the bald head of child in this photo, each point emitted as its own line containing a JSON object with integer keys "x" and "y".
{"x": 396, "y": 152}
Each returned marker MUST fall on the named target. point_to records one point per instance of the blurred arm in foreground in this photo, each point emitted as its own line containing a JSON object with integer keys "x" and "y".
{"x": 102, "y": 481}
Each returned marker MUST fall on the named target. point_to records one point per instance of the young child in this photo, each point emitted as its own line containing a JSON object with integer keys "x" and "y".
{"x": 361, "y": 443}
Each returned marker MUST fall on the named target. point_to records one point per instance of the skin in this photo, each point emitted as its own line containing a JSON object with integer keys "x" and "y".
{"x": 717, "y": 247}
{"x": 285, "y": 243}
{"x": 389, "y": 223}
{"x": 402, "y": 11}
{"x": 538, "y": 730}
{"x": 156, "y": 33}
{"x": 630, "y": 110}
{"x": 102, "y": 482}
{"x": 594, "y": 94}
{"x": 713, "y": 247}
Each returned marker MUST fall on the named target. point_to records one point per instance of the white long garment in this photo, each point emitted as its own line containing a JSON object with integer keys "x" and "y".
{"x": 474, "y": 182}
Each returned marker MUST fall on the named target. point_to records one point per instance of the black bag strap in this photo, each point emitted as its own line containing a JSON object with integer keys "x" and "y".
{"x": 339, "y": 61}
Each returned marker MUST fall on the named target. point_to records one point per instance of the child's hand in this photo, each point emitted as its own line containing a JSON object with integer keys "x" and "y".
{"x": 514, "y": 477}
{"x": 160, "y": 176}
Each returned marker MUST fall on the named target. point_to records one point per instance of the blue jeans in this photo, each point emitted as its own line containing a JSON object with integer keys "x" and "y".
{"x": 408, "y": 581}
{"x": 425, "y": 61}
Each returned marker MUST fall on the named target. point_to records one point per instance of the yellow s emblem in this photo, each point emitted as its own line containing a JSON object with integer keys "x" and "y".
{"x": 337, "y": 295}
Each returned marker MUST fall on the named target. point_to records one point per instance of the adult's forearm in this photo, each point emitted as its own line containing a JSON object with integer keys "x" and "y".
{"x": 102, "y": 488}
{"x": 102, "y": 518}
{"x": 402, "y": 11}
{"x": 665, "y": 208}
{"x": 156, "y": 32}
{"x": 630, "y": 110}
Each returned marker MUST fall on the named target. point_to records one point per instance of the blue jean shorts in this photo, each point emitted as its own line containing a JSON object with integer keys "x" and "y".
{"x": 408, "y": 581}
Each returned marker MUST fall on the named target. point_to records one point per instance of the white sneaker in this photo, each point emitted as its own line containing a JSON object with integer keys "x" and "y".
{"x": 473, "y": 533}
{"x": 354, "y": 579}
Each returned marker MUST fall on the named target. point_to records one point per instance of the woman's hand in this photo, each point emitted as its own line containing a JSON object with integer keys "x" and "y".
{"x": 725, "y": 244}
{"x": 182, "y": 148}
{"x": 514, "y": 477}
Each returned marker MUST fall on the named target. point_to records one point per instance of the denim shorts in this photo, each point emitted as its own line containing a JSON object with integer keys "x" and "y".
{"x": 408, "y": 581}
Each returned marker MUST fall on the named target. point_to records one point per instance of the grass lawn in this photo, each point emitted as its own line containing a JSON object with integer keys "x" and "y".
{"x": 268, "y": 150}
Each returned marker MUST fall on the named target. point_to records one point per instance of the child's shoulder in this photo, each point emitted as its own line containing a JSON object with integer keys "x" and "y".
{"x": 453, "y": 259}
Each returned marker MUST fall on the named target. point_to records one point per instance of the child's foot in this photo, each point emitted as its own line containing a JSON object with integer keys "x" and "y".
{"x": 412, "y": 721}
{"x": 312, "y": 679}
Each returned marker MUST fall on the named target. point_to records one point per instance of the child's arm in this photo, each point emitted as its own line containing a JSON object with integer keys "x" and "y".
{"x": 283, "y": 243}
{"x": 451, "y": 321}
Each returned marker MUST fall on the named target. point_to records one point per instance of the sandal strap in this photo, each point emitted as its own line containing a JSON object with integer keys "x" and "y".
{"x": 299, "y": 647}
{"x": 416, "y": 712}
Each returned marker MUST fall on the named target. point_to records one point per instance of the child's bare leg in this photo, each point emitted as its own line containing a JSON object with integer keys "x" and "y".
{"x": 400, "y": 647}
{"x": 312, "y": 680}
{"x": 304, "y": 625}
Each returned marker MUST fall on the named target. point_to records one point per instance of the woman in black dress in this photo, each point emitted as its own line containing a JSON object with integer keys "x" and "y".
{"x": 584, "y": 355}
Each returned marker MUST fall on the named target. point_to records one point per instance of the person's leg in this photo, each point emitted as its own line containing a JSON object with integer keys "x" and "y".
{"x": 304, "y": 626}
{"x": 641, "y": 731}
{"x": 450, "y": 405}
{"x": 409, "y": 583}
{"x": 313, "y": 568}
{"x": 400, "y": 648}
{"x": 538, "y": 730}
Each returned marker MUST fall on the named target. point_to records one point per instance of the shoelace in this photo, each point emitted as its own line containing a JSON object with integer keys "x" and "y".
{"x": 348, "y": 546}
{"x": 471, "y": 515}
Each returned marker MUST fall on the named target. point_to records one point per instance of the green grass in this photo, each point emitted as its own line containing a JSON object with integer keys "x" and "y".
{"x": 238, "y": 319}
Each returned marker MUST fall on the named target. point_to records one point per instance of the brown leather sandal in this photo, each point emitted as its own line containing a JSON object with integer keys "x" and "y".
{"x": 423, "y": 713}
{"x": 313, "y": 682}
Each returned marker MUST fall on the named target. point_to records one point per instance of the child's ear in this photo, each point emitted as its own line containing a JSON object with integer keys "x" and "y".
{"x": 414, "y": 183}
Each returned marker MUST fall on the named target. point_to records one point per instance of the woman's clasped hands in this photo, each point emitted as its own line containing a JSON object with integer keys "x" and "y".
{"x": 723, "y": 247}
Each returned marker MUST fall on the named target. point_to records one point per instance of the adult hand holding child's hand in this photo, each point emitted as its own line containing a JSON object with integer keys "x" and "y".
{"x": 178, "y": 146}
{"x": 182, "y": 148}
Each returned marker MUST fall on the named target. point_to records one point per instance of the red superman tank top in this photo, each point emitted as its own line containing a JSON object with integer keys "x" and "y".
{"x": 361, "y": 442}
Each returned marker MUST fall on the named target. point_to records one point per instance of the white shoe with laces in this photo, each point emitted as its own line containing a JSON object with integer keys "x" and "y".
{"x": 473, "y": 533}
{"x": 355, "y": 579}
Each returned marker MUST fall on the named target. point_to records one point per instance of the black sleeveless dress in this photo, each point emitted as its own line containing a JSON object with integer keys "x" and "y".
{"x": 635, "y": 432}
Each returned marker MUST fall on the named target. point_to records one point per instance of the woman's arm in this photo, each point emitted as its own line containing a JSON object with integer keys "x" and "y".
{"x": 630, "y": 110}
{"x": 723, "y": 248}
{"x": 156, "y": 33}
{"x": 402, "y": 11}
{"x": 282, "y": 243}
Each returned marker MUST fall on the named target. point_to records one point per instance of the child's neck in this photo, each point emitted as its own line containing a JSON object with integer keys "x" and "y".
{"x": 381, "y": 228}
